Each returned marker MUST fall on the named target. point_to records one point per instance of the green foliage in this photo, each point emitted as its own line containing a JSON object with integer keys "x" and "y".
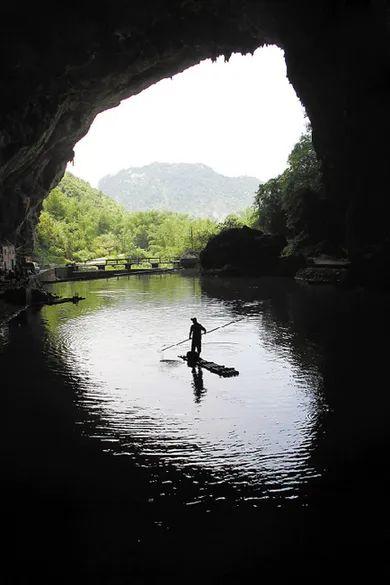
{"x": 78, "y": 223}
{"x": 247, "y": 217}
{"x": 269, "y": 200}
{"x": 291, "y": 204}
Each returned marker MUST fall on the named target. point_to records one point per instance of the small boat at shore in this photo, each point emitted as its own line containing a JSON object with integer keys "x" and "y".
{"x": 54, "y": 300}
{"x": 58, "y": 301}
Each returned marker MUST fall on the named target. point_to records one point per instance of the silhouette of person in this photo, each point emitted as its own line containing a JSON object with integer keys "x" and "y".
{"x": 196, "y": 336}
{"x": 199, "y": 389}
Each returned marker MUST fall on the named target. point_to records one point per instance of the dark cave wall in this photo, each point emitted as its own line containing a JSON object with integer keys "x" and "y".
{"x": 342, "y": 75}
{"x": 62, "y": 66}
{"x": 59, "y": 69}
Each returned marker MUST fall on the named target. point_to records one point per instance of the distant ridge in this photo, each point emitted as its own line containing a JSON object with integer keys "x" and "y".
{"x": 184, "y": 187}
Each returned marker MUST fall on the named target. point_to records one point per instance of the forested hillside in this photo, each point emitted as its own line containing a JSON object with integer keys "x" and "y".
{"x": 295, "y": 204}
{"x": 187, "y": 188}
{"x": 80, "y": 223}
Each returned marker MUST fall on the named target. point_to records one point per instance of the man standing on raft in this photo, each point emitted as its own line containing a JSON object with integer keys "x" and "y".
{"x": 196, "y": 336}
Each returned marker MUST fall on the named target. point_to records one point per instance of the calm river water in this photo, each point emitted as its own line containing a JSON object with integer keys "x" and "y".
{"x": 121, "y": 461}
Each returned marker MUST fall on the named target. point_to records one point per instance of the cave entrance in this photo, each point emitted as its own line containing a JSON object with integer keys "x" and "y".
{"x": 54, "y": 85}
{"x": 199, "y": 143}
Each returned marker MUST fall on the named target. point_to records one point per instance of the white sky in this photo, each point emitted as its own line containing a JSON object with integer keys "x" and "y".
{"x": 240, "y": 117}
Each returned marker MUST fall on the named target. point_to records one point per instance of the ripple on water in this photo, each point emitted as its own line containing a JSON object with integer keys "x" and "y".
{"x": 251, "y": 435}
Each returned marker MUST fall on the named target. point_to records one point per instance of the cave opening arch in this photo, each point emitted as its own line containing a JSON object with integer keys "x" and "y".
{"x": 56, "y": 81}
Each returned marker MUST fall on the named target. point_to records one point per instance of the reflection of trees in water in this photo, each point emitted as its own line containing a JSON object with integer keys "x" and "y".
{"x": 308, "y": 320}
{"x": 167, "y": 286}
{"x": 288, "y": 317}
{"x": 338, "y": 337}
{"x": 100, "y": 294}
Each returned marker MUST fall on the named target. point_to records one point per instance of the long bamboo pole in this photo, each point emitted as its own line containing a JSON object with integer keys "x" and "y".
{"x": 211, "y": 330}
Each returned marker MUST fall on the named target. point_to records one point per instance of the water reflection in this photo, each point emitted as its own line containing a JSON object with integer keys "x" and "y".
{"x": 134, "y": 442}
{"x": 199, "y": 389}
{"x": 254, "y": 434}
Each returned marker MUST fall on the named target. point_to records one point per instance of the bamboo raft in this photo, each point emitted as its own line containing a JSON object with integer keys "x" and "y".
{"x": 213, "y": 367}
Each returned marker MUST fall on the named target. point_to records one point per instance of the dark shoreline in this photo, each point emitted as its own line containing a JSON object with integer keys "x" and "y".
{"x": 102, "y": 274}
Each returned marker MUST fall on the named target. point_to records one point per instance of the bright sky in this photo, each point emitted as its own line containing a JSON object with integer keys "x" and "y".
{"x": 240, "y": 117}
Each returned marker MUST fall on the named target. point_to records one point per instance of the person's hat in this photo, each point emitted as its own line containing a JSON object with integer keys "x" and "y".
{"x": 193, "y": 318}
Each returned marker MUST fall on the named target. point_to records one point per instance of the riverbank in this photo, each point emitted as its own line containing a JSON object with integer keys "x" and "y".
{"x": 8, "y": 312}
{"x": 102, "y": 274}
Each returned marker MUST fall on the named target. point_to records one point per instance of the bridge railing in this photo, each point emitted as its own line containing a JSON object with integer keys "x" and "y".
{"x": 128, "y": 263}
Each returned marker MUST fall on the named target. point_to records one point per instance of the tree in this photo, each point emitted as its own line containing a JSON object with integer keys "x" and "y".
{"x": 246, "y": 217}
{"x": 269, "y": 200}
{"x": 79, "y": 223}
{"x": 294, "y": 204}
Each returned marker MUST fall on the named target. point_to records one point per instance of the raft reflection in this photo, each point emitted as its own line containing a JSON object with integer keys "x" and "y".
{"x": 252, "y": 434}
{"x": 112, "y": 460}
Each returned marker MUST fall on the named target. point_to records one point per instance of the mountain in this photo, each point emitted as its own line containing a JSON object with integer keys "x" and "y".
{"x": 188, "y": 188}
